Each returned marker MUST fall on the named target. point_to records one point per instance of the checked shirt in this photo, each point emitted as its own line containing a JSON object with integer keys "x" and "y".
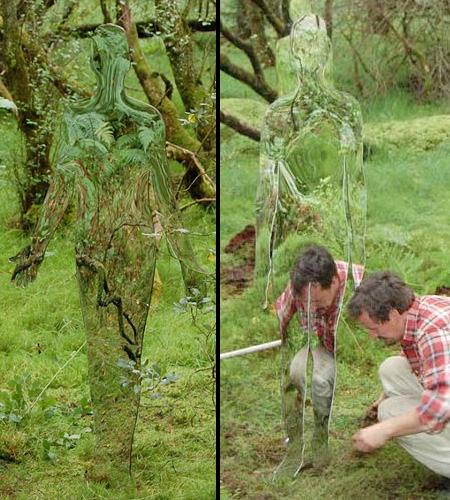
{"x": 288, "y": 304}
{"x": 426, "y": 345}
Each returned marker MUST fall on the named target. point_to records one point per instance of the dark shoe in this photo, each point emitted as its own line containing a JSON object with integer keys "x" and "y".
{"x": 443, "y": 494}
{"x": 443, "y": 490}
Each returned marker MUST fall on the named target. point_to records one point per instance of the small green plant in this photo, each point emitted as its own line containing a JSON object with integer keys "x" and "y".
{"x": 13, "y": 404}
{"x": 200, "y": 309}
{"x": 146, "y": 379}
{"x": 64, "y": 441}
{"x": 83, "y": 410}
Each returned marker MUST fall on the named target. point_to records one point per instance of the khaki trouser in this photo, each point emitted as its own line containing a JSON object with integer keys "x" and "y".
{"x": 404, "y": 392}
{"x": 322, "y": 383}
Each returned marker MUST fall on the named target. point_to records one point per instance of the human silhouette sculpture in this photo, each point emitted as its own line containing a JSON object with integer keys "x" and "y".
{"x": 310, "y": 134}
{"x": 286, "y": 72}
{"x": 113, "y": 151}
{"x": 310, "y": 160}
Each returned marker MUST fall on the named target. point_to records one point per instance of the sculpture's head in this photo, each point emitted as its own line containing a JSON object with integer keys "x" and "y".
{"x": 298, "y": 8}
{"x": 110, "y": 51}
{"x": 310, "y": 45}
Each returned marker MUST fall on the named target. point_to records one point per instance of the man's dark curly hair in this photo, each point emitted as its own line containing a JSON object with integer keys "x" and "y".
{"x": 313, "y": 265}
{"x": 378, "y": 295}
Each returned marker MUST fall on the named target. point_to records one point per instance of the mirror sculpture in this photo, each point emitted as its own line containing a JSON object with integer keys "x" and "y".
{"x": 285, "y": 70}
{"x": 311, "y": 169}
{"x": 112, "y": 150}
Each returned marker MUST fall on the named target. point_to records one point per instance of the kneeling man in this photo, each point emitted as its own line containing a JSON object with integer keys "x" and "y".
{"x": 414, "y": 407}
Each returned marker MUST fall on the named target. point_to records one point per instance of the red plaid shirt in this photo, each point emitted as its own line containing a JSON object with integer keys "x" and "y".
{"x": 426, "y": 344}
{"x": 288, "y": 304}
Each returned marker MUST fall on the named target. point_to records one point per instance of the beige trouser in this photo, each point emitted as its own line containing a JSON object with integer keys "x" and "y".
{"x": 404, "y": 392}
{"x": 322, "y": 383}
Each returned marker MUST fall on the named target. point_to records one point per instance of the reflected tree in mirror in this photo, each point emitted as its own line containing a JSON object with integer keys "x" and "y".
{"x": 112, "y": 152}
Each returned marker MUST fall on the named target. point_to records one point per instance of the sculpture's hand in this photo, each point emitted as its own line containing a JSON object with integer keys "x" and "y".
{"x": 27, "y": 265}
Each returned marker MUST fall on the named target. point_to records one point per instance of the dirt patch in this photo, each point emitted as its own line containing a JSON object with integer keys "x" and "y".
{"x": 269, "y": 451}
{"x": 239, "y": 274}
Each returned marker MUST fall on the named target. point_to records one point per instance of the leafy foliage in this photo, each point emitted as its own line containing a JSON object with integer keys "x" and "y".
{"x": 6, "y": 104}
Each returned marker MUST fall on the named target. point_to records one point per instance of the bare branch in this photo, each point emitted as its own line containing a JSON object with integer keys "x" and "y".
{"x": 244, "y": 46}
{"x": 358, "y": 56}
{"x": 147, "y": 29}
{"x": 261, "y": 87}
{"x": 240, "y": 126}
{"x": 202, "y": 200}
{"x": 411, "y": 52}
{"x": 275, "y": 20}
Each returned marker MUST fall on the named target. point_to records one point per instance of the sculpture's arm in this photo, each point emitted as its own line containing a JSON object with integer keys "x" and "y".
{"x": 267, "y": 196}
{"x": 30, "y": 257}
{"x": 193, "y": 274}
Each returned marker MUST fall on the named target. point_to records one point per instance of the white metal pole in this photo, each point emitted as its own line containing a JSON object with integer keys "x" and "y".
{"x": 249, "y": 350}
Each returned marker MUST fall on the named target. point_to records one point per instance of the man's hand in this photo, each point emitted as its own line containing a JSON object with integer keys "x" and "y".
{"x": 370, "y": 438}
{"x": 371, "y": 415}
{"x": 27, "y": 265}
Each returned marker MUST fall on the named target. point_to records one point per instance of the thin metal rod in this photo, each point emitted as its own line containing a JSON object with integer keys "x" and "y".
{"x": 253, "y": 348}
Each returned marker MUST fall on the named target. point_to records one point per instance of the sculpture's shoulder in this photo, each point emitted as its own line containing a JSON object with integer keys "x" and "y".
{"x": 147, "y": 111}
{"x": 84, "y": 118}
{"x": 278, "y": 116}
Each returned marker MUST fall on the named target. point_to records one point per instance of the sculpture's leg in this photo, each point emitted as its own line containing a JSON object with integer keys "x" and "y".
{"x": 322, "y": 389}
{"x": 293, "y": 397}
{"x": 115, "y": 298}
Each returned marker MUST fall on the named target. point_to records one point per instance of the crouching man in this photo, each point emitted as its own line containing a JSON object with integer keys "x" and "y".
{"x": 414, "y": 407}
{"x": 315, "y": 294}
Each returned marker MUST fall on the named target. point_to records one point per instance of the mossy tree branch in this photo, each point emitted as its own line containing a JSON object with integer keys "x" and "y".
{"x": 179, "y": 47}
{"x": 240, "y": 126}
{"x": 200, "y": 185}
{"x": 259, "y": 86}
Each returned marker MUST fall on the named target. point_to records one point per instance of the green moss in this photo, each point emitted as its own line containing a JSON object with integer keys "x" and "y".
{"x": 248, "y": 110}
{"x": 415, "y": 136}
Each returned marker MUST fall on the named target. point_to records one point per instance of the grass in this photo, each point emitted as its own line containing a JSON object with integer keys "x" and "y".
{"x": 408, "y": 232}
{"x": 41, "y": 328}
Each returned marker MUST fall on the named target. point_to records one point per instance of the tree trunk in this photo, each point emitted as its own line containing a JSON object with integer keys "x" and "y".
{"x": 250, "y": 23}
{"x": 328, "y": 17}
{"x": 179, "y": 48}
{"x": 196, "y": 179}
{"x": 32, "y": 122}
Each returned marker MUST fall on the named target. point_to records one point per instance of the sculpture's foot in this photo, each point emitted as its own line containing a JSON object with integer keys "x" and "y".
{"x": 320, "y": 446}
{"x": 112, "y": 472}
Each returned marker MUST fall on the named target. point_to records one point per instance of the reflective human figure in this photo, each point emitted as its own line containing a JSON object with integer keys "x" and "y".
{"x": 315, "y": 294}
{"x": 310, "y": 170}
{"x": 112, "y": 150}
{"x": 310, "y": 135}
{"x": 285, "y": 70}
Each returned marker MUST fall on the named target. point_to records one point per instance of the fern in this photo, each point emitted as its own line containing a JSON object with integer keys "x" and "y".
{"x": 83, "y": 126}
{"x": 146, "y": 136}
{"x": 136, "y": 156}
{"x": 93, "y": 146}
{"x": 105, "y": 133}
{"x": 128, "y": 140}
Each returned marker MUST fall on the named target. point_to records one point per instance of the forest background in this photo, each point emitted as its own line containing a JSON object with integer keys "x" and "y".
{"x": 394, "y": 57}
{"x": 46, "y": 438}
